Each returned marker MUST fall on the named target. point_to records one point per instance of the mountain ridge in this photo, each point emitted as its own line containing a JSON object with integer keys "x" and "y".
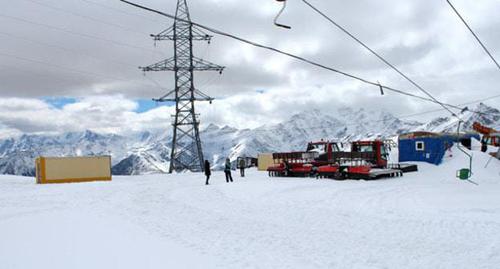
{"x": 148, "y": 152}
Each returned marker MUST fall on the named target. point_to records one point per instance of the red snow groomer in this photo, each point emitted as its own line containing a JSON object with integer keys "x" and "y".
{"x": 490, "y": 135}
{"x": 324, "y": 159}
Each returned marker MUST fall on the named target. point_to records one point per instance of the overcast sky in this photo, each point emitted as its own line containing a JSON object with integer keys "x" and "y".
{"x": 72, "y": 65}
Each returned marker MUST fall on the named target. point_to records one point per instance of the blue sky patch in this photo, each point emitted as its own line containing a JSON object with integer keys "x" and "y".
{"x": 143, "y": 104}
{"x": 148, "y": 104}
{"x": 59, "y": 102}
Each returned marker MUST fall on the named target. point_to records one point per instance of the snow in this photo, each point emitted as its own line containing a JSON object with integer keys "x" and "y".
{"x": 427, "y": 219}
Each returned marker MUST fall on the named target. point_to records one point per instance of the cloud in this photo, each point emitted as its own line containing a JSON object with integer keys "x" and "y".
{"x": 111, "y": 114}
{"x": 91, "y": 52}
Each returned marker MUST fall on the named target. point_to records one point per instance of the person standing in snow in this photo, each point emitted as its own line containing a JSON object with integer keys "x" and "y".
{"x": 484, "y": 146}
{"x": 242, "y": 167}
{"x": 227, "y": 171}
{"x": 207, "y": 171}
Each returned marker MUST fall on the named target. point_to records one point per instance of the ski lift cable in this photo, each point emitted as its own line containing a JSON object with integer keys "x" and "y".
{"x": 343, "y": 29}
{"x": 218, "y": 32}
{"x": 474, "y": 34}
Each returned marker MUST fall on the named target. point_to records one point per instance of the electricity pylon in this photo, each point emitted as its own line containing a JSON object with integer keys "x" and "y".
{"x": 187, "y": 152}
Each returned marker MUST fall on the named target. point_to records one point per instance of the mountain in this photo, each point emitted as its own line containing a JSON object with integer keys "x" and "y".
{"x": 17, "y": 155}
{"x": 140, "y": 163}
{"x": 148, "y": 152}
{"x": 484, "y": 114}
{"x": 301, "y": 128}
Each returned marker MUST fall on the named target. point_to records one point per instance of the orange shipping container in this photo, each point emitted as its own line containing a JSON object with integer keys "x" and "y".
{"x": 72, "y": 169}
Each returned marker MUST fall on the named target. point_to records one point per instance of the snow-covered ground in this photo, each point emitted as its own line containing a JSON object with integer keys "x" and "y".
{"x": 427, "y": 219}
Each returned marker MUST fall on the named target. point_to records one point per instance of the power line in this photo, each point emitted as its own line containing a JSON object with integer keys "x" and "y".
{"x": 117, "y": 63}
{"x": 65, "y": 49}
{"x": 118, "y": 43}
{"x": 379, "y": 56}
{"x": 70, "y": 69}
{"x": 154, "y": 81}
{"x": 474, "y": 34}
{"x": 215, "y": 31}
{"x": 86, "y": 17}
{"x": 58, "y": 81}
{"x": 118, "y": 10}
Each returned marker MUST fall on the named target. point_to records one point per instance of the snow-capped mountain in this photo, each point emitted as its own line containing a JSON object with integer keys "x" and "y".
{"x": 149, "y": 152}
{"x": 484, "y": 114}
{"x": 301, "y": 128}
{"x": 17, "y": 155}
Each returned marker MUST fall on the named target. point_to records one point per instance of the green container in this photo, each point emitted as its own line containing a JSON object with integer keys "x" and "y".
{"x": 463, "y": 174}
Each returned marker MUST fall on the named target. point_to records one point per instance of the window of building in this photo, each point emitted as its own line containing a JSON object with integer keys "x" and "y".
{"x": 420, "y": 146}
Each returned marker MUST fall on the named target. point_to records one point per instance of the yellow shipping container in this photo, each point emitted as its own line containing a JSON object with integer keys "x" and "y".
{"x": 72, "y": 169}
{"x": 265, "y": 160}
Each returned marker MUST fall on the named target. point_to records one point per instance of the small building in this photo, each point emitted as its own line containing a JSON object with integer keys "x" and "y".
{"x": 247, "y": 161}
{"x": 264, "y": 160}
{"x": 429, "y": 147}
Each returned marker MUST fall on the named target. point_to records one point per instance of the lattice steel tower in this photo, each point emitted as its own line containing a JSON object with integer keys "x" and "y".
{"x": 187, "y": 153}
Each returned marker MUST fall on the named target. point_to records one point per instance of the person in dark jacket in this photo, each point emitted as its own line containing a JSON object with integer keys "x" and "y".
{"x": 484, "y": 146}
{"x": 227, "y": 171}
{"x": 242, "y": 165}
{"x": 207, "y": 171}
